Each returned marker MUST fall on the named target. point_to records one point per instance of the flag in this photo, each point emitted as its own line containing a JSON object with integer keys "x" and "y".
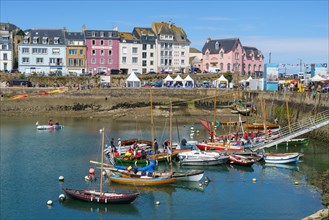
{"x": 205, "y": 124}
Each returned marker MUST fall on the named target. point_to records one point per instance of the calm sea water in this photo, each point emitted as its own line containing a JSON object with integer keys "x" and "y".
{"x": 32, "y": 161}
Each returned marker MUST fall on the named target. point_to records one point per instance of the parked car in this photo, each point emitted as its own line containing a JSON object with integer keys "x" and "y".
{"x": 195, "y": 70}
{"x": 151, "y": 72}
{"x": 115, "y": 71}
{"x": 325, "y": 89}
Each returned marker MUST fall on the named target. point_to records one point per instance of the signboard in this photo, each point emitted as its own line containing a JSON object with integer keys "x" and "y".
{"x": 271, "y": 76}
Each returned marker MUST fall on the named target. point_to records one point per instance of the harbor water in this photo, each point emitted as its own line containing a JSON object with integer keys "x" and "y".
{"x": 32, "y": 162}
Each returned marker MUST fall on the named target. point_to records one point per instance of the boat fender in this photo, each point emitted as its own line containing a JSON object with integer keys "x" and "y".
{"x": 61, "y": 178}
{"x": 91, "y": 198}
{"x": 91, "y": 171}
{"x": 50, "y": 203}
{"x": 61, "y": 197}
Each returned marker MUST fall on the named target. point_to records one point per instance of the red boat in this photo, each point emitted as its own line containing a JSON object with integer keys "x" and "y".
{"x": 218, "y": 146}
{"x": 241, "y": 160}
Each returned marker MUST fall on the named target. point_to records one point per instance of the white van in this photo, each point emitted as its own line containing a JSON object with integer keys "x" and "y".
{"x": 213, "y": 70}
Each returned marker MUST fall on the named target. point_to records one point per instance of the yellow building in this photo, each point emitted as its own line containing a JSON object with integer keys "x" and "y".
{"x": 76, "y": 53}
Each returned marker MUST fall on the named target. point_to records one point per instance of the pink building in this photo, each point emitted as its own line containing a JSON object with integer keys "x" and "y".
{"x": 228, "y": 55}
{"x": 102, "y": 51}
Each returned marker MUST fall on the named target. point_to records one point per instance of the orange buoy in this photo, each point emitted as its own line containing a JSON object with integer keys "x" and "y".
{"x": 91, "y": 170}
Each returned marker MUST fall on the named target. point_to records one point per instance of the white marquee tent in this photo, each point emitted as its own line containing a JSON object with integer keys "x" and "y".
{"x": 168, "y": 81}
{"x": 133, "y": 81}
{"x": 318, "y": 78}
{"x": 178, "y": 81}
{"x": 188, "y": 82}
{"x": 221, "y": 82}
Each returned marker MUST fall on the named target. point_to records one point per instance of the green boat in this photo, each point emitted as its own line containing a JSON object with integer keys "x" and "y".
{"x": 295, "y": 142}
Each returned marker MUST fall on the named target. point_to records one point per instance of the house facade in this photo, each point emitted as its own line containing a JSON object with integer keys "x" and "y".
{"x": 172, "y": 47}
{"x": 43, "y": 51}
{"x": 228, "y": 55}
{"x": 147, "y": 40}
{"x": 130, "y": 57}
{"x": 75, "y": 53}
{"x": 102, "y": 51}
{"x": 195, "y": 58}
{"x": 7, "y": 52}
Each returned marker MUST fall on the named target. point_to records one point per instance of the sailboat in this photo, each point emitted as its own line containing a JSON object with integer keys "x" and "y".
{"x": 147, "y": 178}
{"x": 93, "y": 196}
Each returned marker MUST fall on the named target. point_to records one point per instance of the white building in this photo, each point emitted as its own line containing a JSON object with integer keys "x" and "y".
{"x": 6, "y": 47}
{"x": 172, "y": 47}
{"x": 43, "y": 51}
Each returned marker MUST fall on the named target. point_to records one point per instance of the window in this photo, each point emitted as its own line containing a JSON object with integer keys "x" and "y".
{"x": 102, "y": 42}
{"x": 81, "y": 52}
{"x": 182, "y": 62}
{"x": 151, "y": 62}
{"x": 221, "y": 54}
{"x": 124, "y": 59}
{"x": 134, "y": 60}
{"x": 216, "y": 45}
{"x": 35, "y": 40}
{"x": 110, "y": 52}
{"x": 90, "y": 70}
{"x": 134, "y": 49}
{"x": 182, "y": 53}
{"x": 56, "y": 40}
{"x": 44, "y": 40}
{"x": 144, "y": 46}
{"x": 56, "y": 51}
{"x": 236, "y": 55}
{"x": 25, "y": 60}
{"x": 39, "y": 60}
{"x": 93, "y": 52}
{"x": 93, "y": 60}
{"x": 207, "y": 55}
{"x": 72, "y": 52}
{"x": 5, "y": 56}
{"x": 228, "y": 67}
{"x": 52, "y": 61}
{"x": 26, "y": 40}
{"x": 161, "y": 62}
{"x": 152, "y": 46}
{"x": 109, "y": 61}
{"x": 151, "y": 55}
{"x": 144, "y": 70}
{"x": 110, "y": 42}
{"x": 144, "y": 54}
{"x": 25, "y": 50}
{"x": 102, "y": 35}
{"x": 102, "y": 52}
{"x": 93, "y": 34}
{"x": 71, "y": 62}
{"x": 101, "y": 61}
{"x": 124, "y": 50}
{"x": 144, "y": 63}
{"x": 93, "y": 42}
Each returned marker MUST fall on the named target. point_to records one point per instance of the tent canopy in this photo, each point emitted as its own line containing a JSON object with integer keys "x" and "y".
{"x": 318, "y": 78}
{"x": 188, "y": 81}
{"x": 221, "y": 82}
{"x": 168, "y": 79}
{"x": 133, "y": 81}
{"x": 178, "y": 79}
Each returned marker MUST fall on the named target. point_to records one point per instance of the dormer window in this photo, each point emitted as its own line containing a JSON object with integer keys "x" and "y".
{"x": 102, "y": 34}
{"x": 110, "y": 34}
{"x": 93, "y": 34}
{"x": 217, "y": 45}
{"x": 45, "y": 40}
{"x": 26, "y": 40}
{"x": 35, "y": 40}
{"x": 56, "y": 40}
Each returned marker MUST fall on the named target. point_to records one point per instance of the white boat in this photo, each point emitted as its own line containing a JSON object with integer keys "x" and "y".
{"x": 189, "y": 176}
{"x": 50, "y": 127}
{"x": 201, "y": 158}
{"x": 282, "y": 158}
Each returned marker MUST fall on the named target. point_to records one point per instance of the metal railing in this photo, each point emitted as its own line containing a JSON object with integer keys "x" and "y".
{"x": 294, "y": 130}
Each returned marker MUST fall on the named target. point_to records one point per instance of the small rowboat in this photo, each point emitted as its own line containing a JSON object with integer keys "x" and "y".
{"x": 241, "y": 160}
{"x": 50, "y": 127}
{"x": 281, "y": 158}
{"x": 19, "y": 96}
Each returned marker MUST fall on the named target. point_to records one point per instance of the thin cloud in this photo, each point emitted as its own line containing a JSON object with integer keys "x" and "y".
{"x": 321, "y": 26}
{"x": 216, "y": 19}
{"x": 208, "y": 28}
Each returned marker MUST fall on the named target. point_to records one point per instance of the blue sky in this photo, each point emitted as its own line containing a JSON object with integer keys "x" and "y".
{"x": 290, "y": 30}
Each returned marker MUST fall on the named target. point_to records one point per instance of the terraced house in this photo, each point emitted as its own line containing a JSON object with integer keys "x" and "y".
{"x": 102, "y": 51}
{"x": 129, "y": 53}
{"x": 228, "y": 55}
{"x": 172, "y": 47}
{"x": 7, "y": 32}
{"x": 43, "y": 51}
{"x": 148, "y": 51}
{"x": 75, "y": 53}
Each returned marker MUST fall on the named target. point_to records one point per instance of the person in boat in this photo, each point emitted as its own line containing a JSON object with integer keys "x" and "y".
{"x": 156, "y": 146}
{"x": 166, "y": 146}
{"x": 119, "y": 146}
{"x": 57, "y": 123}
{"x": 143, "y": 153}
{"x": 50, "y": 122}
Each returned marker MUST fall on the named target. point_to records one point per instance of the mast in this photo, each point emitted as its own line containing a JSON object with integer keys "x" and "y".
{"x": 288, "y": 115}
{"x": 213, "y": 127}
{"x": 152, "y": 124}
{"x": 102, "y": 152}
{"x": 170, "y": 138}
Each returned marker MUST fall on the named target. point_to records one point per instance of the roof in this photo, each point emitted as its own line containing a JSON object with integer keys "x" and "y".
{"x": 75, "y": 35}
{"x": 194, "y": 50}
{"x": 178, "y": 78}
{"x": 168, "y": 78}
{"x": 133, "y": 78}
{"x": 52, "y": 34}
{"x": 225, "y": 44}
{"x": 101, "y": 34}
{"x": 161, "y": 28}
{"x": 253, "y": 50}
{"x": 128, "y": 37}
{"x": 145, "y": 35}
{"x": 7, "y": 26}
{"x": 188, "y": 78}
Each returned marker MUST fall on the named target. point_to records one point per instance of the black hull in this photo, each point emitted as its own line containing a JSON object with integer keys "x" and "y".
{"x": 107, "y": 198}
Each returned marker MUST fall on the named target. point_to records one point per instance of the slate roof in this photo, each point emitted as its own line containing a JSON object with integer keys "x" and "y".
{"x": 7, "y": 26}
{"x": 161, "y": 28}
{"x": 107, "y": 34}
{"x": 194, "y": 50}
{"x": 249, "y": 50}
{"x": 128, "y": 37}
{"x": 225, "y": 44}
{"x": 75, "y": 35}
{"x": 50, "y": 33}
{"x": 145, "y": 35}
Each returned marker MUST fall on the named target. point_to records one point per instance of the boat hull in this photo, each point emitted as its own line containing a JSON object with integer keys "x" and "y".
{"x": 203, "y": 161}
{"x": 219, "y": 147}
{"x": 140, "y": 181}
{"x": 282, "y": 159}
{"x": 189, "y": 176}
{"x": 50, "y": 127}
{"x": 107, "y": 197}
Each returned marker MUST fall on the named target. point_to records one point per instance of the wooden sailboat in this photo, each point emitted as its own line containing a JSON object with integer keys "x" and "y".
{"x": 93, "y": 196}
{"x": 147, "y": 178}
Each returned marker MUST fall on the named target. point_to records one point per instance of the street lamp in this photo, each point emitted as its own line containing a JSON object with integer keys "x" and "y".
{"x": 300, "y": 68}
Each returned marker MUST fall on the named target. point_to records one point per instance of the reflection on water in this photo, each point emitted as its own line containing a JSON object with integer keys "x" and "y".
{"x": 240, "y": 168}
{"x": 292, "y": 166}
{"x": 114, "y": 209}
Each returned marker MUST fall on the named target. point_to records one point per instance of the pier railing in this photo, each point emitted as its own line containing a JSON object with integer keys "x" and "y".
{"x": 294, "y": 130}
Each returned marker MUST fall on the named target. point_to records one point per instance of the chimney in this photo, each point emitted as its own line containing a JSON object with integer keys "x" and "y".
{"x": 208, "y": 40}
{"x": 83, "y": 28}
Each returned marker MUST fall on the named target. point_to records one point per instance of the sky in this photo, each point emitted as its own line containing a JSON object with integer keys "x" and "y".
{"x": 286, "y": 31}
